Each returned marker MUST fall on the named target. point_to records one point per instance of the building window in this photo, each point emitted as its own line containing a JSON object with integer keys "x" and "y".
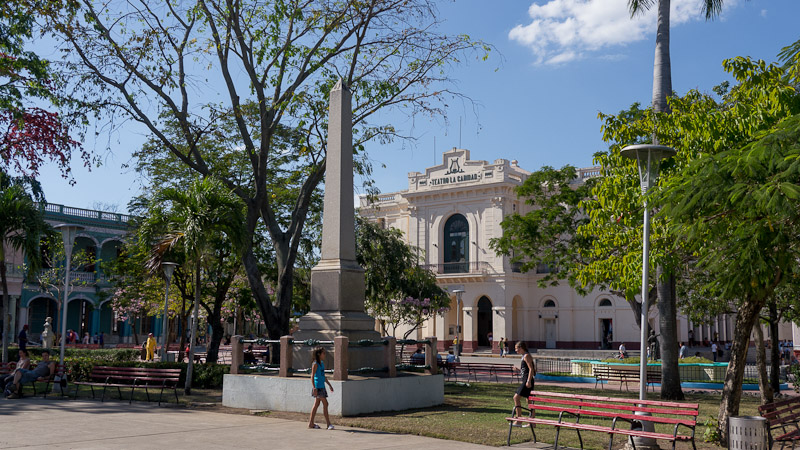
{"x": 456, "y": 245}
{"x": 549, "y": 304}
{"x": 605, "y": 302}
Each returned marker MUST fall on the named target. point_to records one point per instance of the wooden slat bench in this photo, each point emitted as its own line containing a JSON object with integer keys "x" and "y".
{"x": 7, "y": 368}
{"x": 783, "y": 416}
{"x": 609, "y": 410}
{"x": 491, "y": 369}
{"x": 46, "y": 380}
{"x": 133, "y": 378}
{"x": 623, "y": 376}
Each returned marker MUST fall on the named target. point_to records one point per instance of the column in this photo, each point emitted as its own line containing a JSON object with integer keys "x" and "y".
{"x": 95, "y": 320}
{"x": 23, "y": 315}
{"x": 467, "y": 328}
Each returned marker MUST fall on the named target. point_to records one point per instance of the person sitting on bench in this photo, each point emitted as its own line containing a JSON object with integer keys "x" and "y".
{"x": 249, "y": 356}
{"x": 23, "y": 363}
{"x": 23, "y": 376}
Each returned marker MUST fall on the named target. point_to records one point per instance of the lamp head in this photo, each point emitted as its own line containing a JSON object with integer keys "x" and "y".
{"x": 648, "y": 157}
{"x": 168, "y": 268}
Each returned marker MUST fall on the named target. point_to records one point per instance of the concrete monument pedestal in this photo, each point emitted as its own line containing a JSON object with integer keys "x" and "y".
{"x": 337, "y": 312}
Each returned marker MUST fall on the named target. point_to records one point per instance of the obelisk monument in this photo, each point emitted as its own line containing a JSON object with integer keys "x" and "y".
{"x": 337, "y": 282}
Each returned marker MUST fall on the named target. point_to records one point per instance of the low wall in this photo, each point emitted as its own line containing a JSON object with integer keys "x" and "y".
{"x": 349, "y": 398}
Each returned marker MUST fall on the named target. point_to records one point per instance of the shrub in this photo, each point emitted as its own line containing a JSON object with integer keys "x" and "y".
{"x": 104, "y": 354}
{"x": 204, "y": 376}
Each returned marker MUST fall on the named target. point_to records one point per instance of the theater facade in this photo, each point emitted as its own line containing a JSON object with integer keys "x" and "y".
{"x": 450, "y": 212}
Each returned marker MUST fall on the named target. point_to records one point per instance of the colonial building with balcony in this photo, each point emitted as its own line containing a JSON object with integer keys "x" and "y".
{"x": 89, "y": 308}
{"x": 450, "y": 212}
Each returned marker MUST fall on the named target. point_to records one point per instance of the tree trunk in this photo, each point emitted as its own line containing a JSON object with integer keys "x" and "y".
{"x": 187, "y": 389}
{"x": 775, "y": 356}
{"x": 732, "y": 390}
{"x": 183, "y": 326}
{"x": 662, "y": 69}
{"x": 761, "y": 363}
{"x": 668, "y": 338}
{"x": 6, "y": 308}
{"x": 217, "y": 331}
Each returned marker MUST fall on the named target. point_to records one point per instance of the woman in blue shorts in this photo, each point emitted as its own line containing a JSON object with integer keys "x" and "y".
{"x": 318, "y": 391}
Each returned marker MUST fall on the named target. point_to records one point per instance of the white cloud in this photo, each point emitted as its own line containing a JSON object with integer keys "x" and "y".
{"x": 566, "y": 30}
{"x": 763, "y": 13}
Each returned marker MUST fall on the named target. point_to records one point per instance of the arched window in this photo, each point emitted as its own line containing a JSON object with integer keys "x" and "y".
{"x": 549, "y": 304}
{"x": 456, "y": 245}
{"x": 605, "y": 302}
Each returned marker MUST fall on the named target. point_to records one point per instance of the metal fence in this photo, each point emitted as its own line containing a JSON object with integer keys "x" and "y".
{"x": 689, "y": 373}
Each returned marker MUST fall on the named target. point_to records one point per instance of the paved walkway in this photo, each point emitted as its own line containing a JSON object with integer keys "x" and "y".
{"x": 38, "y": 423}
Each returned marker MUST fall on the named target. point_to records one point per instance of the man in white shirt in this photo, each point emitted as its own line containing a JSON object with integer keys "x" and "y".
{"x": 682, "y": 353}
{"x": 623, "y": 352}
{"x": 714, "y": 350}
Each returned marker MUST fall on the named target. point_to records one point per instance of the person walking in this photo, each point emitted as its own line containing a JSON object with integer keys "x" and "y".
{"x": 150, "y": 346}
{"x": 527, "y": 371}
{"x": 683, "y": 351}
{"x": 23, "y": 338}
{"x": 503, "y": 343}
{"x": 714, "y": 350}
{"x": 318, "y": 391}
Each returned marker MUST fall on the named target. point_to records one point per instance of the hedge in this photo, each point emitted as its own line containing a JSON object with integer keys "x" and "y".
{"x": 79, "y": 363}
{"x": 102, "y": 354}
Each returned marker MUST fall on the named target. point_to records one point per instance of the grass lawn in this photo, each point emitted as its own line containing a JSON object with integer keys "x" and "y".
{"x": 476, "y": 413}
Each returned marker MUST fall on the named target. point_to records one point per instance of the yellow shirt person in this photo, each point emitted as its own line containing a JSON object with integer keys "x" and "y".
{"x": 150, "y": 346}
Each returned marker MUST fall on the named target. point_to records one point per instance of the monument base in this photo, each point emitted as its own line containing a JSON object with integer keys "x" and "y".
{"x": 349, "y": 398}
{"x": 327, "y": 325}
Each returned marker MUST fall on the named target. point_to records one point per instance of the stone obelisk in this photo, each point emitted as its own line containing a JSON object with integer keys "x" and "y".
{"x": 337, "y": 282}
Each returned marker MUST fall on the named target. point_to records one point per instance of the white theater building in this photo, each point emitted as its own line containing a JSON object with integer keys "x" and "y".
{"x": 450, "y": 212}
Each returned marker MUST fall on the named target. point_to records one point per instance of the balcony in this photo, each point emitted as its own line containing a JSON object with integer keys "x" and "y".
{"x": 78, "y": 278}
{"x": 14, "y": 270}
{"x": 459, "y": 271}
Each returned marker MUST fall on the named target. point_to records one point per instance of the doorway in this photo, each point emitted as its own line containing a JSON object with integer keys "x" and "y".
{"x": 606, "y": 334}
{"x": 484, "y": 321}
{"x": 550, "y": 333}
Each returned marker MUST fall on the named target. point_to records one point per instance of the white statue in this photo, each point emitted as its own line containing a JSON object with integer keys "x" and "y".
{"x": 47, "y": 333}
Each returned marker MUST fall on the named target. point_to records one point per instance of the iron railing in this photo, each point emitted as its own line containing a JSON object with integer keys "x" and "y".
{"x": 459, "y": 267}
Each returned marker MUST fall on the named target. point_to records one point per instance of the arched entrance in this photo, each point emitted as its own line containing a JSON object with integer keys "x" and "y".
{"x": 79, "y": 316}
{"x": 39, "y": 309}
{"x": 456, "y": 245}
{"x": 484, "y": 321}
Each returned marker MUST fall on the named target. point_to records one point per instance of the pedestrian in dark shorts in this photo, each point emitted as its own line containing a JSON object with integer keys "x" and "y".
{"x": 527, "y": 370}
{"x": 318, "y": 391}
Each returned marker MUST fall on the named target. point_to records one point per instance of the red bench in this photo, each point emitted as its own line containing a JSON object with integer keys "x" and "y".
{"x": 784, "y": 416}
{"x": 133, "y": 378}
{"x": 610, "y": 409}
{"x": 47, "y": 380}
{"x": 7, "y": 368}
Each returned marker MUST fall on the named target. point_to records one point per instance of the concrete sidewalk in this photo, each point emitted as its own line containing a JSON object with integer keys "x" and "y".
{"x": 52, "y": 423}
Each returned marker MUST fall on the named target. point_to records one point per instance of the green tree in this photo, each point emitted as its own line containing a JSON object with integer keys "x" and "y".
{"x": 398, "y": 291}
{"x": 282, "y": 57}
{"x": 665, "y": 272}
{"x": 192, "y": 218}
{"x": 30, "y": 134}
{"x": 21, "y": 226}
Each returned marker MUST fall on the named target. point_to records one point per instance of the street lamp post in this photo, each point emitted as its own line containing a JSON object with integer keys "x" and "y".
{"x": 68, "y": 234}
{"x": 648, "y": 158}
{"x": 457, "y": 349}
{"x": 168, "y": 268}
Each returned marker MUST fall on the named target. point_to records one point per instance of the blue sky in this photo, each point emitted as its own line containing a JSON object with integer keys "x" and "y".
{"x": 559, "y": 63}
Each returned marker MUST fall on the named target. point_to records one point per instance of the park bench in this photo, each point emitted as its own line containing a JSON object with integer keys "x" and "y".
{"x": 783, "y": 416}
{"x": 605, "y": 413}
{"x": 473, "y": 369}
{"x": 623, "y": 376}
{"x": 47, "y": 380}
{"x": 7, "y": 368}
{"x": 133, "y": 378}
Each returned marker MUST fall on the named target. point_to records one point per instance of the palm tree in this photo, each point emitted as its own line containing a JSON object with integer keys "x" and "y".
{"x": 189, "y": 219}
{"x": 667, "y": 307}
{"x": 21, "y": 225}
